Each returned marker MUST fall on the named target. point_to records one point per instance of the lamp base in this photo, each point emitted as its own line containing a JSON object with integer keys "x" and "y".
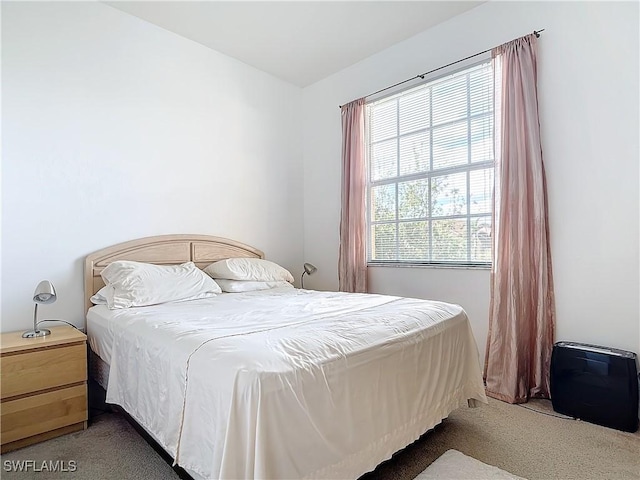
{"x": 42, "y": 332}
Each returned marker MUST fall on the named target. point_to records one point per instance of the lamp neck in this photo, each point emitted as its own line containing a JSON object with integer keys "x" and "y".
{"x": 302, "y": 279}
{"x": 35, "y": 318}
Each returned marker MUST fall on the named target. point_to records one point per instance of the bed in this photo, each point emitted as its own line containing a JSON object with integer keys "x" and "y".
{"x": 283, "y": 383}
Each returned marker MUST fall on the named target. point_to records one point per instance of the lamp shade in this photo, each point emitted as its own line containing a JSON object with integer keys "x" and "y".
{"x": 309, "y": 268}
{"x": 45, "y": 293}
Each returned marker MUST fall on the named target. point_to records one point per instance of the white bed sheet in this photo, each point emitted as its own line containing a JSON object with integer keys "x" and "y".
{"x": 288, "y": 383}
{"x": 100, "y": 331}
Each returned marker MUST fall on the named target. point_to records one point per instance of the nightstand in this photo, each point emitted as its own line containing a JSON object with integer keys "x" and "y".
{"x": 43, "y": 386}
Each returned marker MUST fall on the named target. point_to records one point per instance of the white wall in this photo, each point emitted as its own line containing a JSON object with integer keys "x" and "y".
{"x": 115, "y": 129}
{"x": 588, "y": 89}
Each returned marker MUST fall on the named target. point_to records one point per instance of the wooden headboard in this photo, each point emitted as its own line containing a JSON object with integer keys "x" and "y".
{"x": 162, "y": 250}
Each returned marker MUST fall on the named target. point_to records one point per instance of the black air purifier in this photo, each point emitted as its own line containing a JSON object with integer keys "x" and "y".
{"x": 595, "y": 384}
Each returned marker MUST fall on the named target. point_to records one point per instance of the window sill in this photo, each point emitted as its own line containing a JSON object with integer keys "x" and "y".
{"x": 430, "y": 265}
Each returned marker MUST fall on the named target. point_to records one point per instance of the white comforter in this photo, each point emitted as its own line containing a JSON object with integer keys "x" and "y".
{"x": 291, "y": 384}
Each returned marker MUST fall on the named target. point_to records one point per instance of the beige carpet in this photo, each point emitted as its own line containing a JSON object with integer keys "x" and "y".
{"x": 526, "y": 443}
{"x": 109, "y": 449}
{"x": 529, "y": 444}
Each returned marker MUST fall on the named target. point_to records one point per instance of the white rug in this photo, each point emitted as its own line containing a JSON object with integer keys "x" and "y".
{"x": 453, "y": 465}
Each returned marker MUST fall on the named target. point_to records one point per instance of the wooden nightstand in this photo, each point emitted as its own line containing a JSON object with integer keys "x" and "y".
{"x": 43, "y": 386}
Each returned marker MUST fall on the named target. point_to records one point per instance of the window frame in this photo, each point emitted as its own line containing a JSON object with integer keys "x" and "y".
{"x": 427, "y": 175}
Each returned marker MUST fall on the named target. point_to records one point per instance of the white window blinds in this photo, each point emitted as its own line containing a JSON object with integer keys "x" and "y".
{"x": 431, "y": 163}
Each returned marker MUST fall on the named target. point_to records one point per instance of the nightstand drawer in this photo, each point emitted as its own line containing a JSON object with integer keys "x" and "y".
{"x": 28, "y": 416}
{"x": 32, "y": 371}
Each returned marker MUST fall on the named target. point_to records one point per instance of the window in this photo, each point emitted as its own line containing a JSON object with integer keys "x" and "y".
{"x": 430, "y": 153}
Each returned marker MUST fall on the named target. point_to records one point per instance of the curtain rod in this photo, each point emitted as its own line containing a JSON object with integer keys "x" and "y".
{"x": 422, "y": 75}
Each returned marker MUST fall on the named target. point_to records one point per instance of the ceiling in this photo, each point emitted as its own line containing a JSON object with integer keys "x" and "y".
{"x": 298, "y": 41}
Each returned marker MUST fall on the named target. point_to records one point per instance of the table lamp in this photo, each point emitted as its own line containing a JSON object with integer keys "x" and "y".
{"x": 309, "y": 270}
{"x": 44, "y": 294}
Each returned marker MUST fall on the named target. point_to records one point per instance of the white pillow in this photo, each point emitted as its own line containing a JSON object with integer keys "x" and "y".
{"x": 138, "y": 284}
{"x": 254, "y": 269}
{"x": 100, "y": 297}
{"x": 238, "y": 286}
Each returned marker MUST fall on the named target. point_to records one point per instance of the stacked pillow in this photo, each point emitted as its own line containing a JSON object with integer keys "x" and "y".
{"x": 248, "y": 274}
{"x": 137, "y": 284}
{"x": 239, "y": 286}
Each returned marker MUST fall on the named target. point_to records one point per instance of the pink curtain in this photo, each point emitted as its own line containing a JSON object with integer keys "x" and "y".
{"x": 522, "y": 313}
{"x": 352, "y": 264}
